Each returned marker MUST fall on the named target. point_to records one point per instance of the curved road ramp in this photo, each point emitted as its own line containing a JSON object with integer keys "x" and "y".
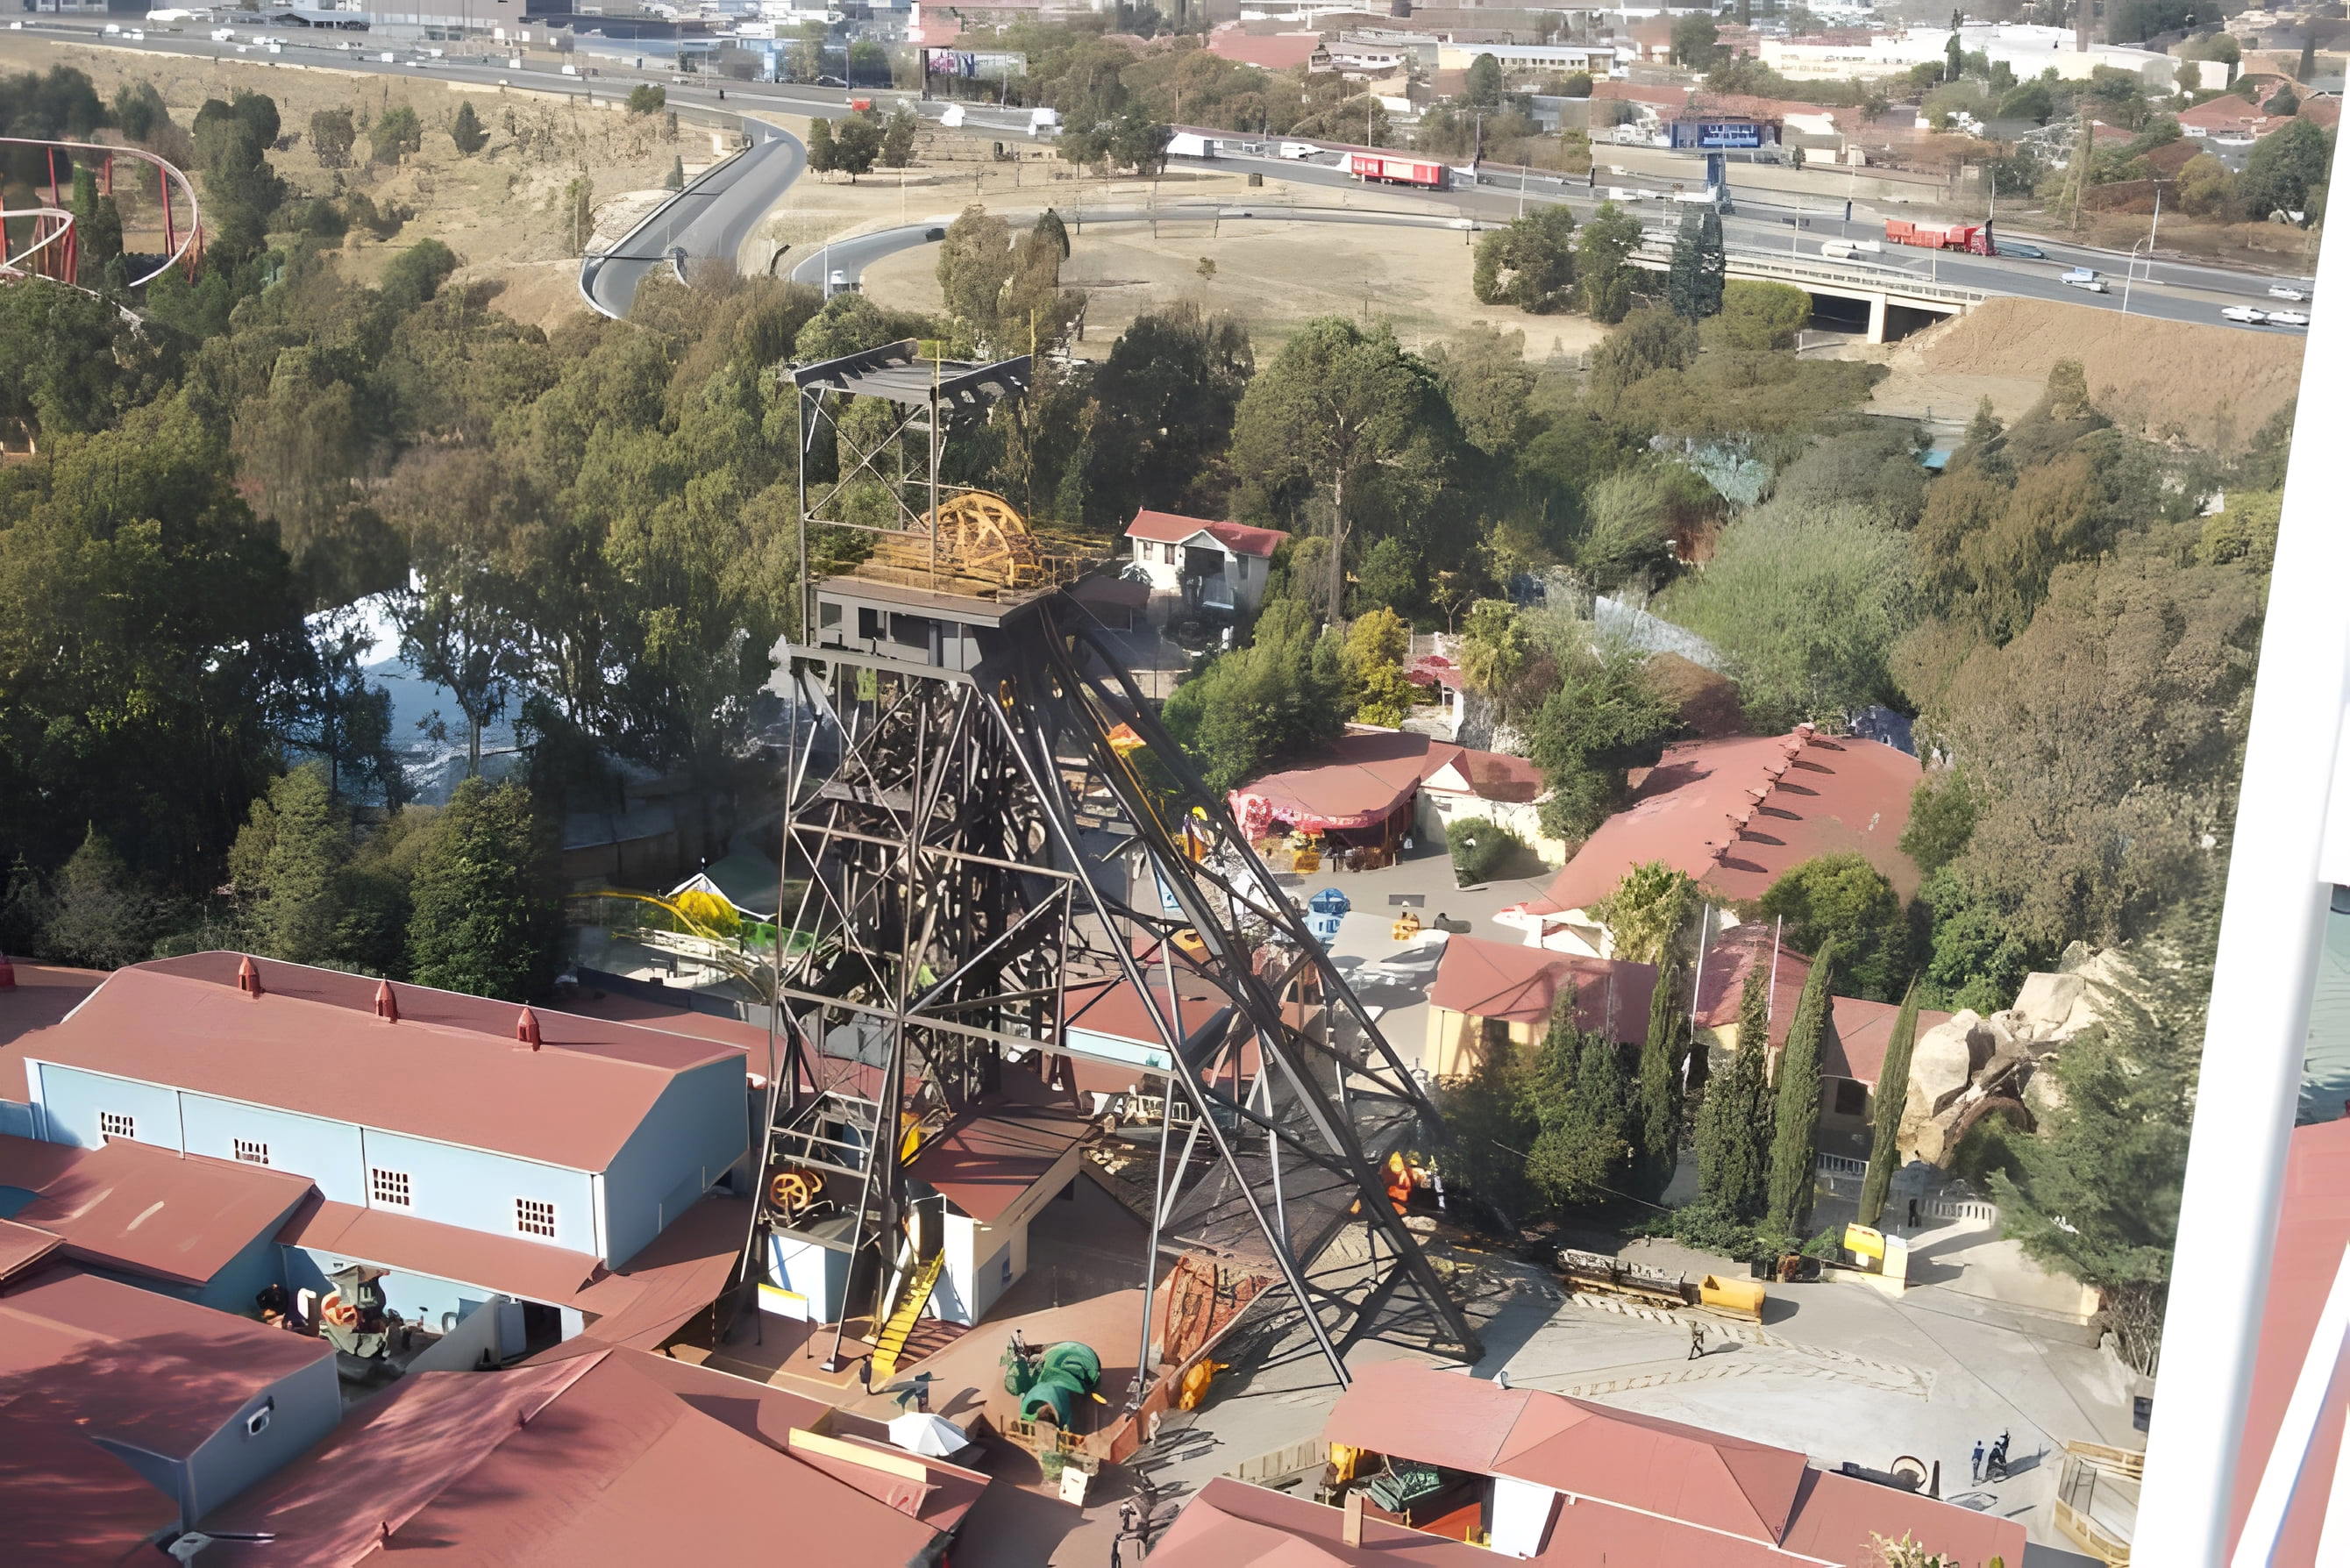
{"x": 707, "y": 221}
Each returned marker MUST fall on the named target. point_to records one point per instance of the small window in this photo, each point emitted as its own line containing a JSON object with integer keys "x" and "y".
{"x": 1496, "y": 1033}
{"x": 389, "y": 1186}
{"x": 1142, "y": 549}
{"x": 827, "y": 616}
{"x": 534, "y": 1218}
{"x": 258, "y": 1422}
{"x": 249, "y": 1152}
{"x": 868, "y": 623}
{"x": 1851, "y": 1097}
{"x": 114, "y": 1123}
{"x": 1171, "y": 556}
{"x": 1240, "y": 567}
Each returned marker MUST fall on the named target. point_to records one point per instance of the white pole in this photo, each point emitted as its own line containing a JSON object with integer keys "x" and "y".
{"x": 2269, "y": 941}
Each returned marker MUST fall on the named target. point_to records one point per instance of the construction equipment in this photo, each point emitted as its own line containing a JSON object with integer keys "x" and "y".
{"x": 1603, "y": 1275}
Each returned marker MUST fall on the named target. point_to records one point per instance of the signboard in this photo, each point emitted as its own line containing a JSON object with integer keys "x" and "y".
{"x": 1724, "y": 133}
{"x": 973, "y": 64}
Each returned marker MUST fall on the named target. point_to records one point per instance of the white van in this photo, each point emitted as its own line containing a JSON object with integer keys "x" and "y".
{"x": 1838, "y": 250}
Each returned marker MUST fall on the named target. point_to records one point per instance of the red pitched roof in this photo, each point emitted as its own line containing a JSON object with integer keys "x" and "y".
{"x": 83, "y": 1354}
{"x": 1858, "y": 1032}
{"x": 1271, "y": 51}
{"x": 177, "y": 1217}
{"x": 514, "y": 1265}
{"x": 311, "y": 1043}
{"x": 1365, "y": 775}
{"x": 1229, "y": 1523}
{"x": 1493, "y": 980}
{"x": 1673, "y": 99}
{"x": 32, "y": 1163}
{"x": 985, "y": 1159}
{"x": 1797, "y": 798}
{"x": 1648, "y": 1490}
{"x": 42, "y": 994}
{"x": 1173, "y": 528}
{"x": 588, "y": 1460}
{"x": 22, "y": 1248}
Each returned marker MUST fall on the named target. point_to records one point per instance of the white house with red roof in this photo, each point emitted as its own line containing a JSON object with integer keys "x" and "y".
{"x": 1197, "y": 563}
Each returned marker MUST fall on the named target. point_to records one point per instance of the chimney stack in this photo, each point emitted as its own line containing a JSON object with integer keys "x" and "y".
{"x": 387, "y": 1006}
{"x": 526, "y": 1028}
{"x": 248, "y": 979}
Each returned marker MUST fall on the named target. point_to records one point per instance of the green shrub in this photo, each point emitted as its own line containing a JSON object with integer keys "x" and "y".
{"x": 1481, "y": 849}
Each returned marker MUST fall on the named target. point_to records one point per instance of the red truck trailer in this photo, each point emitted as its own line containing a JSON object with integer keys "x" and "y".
{"x": 1396, "y": 170}
{"x": 1973, "y": 238}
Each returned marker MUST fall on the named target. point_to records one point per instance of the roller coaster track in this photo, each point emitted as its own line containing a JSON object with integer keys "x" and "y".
{"x": 52, "y": 248}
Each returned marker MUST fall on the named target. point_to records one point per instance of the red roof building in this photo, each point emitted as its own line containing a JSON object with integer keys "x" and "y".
{"x": 1489, "y": 995}
{"x": 1852, "y": 1047}
{"x": 1571, "y": 1484}
{"x": 163, "y": 1215}
{"x": 1270, "y": 51}
{"x": 34, "y": 998}
{"x": 1735, "y": 816}
{"x": 1205, "y": 564}
{"x": 1370, "y": 787}
{"x": 603, "y": 1456}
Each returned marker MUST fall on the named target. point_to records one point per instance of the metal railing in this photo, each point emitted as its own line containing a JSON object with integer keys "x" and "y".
{"x": 1656, "y": 253}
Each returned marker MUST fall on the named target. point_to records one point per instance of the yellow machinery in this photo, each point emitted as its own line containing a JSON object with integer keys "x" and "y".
{"x": 1731, "y": 1298}
{"x": 977, "y": 542}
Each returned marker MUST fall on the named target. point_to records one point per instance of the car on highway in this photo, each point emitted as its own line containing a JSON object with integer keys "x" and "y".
{"x": 934, "y": 235}
{"x": 2286, "y": 291}
{"x": 2089, "y": 281}
{"x": 2023, "y": 252}
{"x": 2288, "y": 319}
{"x": 2244, "y": 314}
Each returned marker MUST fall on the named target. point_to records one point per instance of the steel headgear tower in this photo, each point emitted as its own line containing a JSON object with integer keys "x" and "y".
{"x": 994, "y": 829}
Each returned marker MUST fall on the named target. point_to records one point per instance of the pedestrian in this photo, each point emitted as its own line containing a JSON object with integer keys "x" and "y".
{"x": 1978, "y": 1459}
{"x": 1995, "y": 1463}
{"x": 1697, "y": 1343}
{"x": 1913, "y": 1214}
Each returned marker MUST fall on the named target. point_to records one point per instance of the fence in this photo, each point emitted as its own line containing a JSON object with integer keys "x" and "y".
{"x": 1836, "y": 1170}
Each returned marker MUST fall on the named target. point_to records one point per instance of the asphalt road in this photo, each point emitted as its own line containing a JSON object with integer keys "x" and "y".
{"x": 709, "y": 218}
{"x": 713, "y": 222}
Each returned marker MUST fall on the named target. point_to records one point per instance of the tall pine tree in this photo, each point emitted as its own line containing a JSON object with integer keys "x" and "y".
{"x": 289, "y": 862}
{"x": 1734, "y": 1159}
{"x": 1892, "y": 1099}
{"x": 1795, "y": 1116}
{"x": 1582, "y": 1103}
{"x": 1657, "y": 1123}
{"x": 486, "y": 921}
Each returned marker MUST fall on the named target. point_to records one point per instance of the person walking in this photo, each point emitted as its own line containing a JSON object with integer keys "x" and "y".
{"x": 1697, "y": 1343}
{"x": 1995, "y": 1462}
{"x": 1979, "y": 1460}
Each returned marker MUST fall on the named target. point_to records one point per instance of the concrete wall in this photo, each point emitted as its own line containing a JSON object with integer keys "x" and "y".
{"x": 694, "y": 1133}
{"x": 460, "y": 1348}
{"x": 477, "y": 1189}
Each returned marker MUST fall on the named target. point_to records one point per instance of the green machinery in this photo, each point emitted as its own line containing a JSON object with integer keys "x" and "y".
{"x": 1050, "y": 1383}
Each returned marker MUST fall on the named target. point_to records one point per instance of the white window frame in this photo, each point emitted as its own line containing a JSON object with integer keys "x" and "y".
{"x": 249, "y": 1151}
{"x": 535, "y": 1217}
{"x": 390, "y": 1188}
{"x": 118, "y": 1124}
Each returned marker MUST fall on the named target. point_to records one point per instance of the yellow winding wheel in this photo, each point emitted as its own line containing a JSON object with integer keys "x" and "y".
{"x": 981, "y": 538}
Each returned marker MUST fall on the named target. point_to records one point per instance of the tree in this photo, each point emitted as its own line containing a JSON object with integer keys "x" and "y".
{"x": 332, "y": 135}
{"x": 1488, "y": 1125}
{"x": 1643, "y": 345}
{"x": 140, "y": 114}
{"x": 2096, "y": 1193}
{"x": 1530, "y": 263}
{"x": 1942, "y": 810}
{"x": 1645, "y": 914}
{"x": 1603, "y": 717}
{"x": 1696, "y": 42}
{"x": 1484, "y": 86}
{"x": 1602, "y": 259}
{"x": 1758, "y": 317}
{"x": 1694, "y": 284}
{"x": 974, "y": 264}
{"x": 1139, "y": 142}
{"x": 1657, "y": 1114}
{"x": 2305, "y": 71}
{"x": 647, "y": 98}
{"x": 675, "y": 179}
{"x": 1481, "y": 849}
{"x": 1487, "y": 380}
{"x": 2287, "y": 169}
{"x": 100, "y": 916}
{"x": 1372, "y": 657}
{"x": 1276, "y": 698}
{"x": 2283, "y": 103}
{"x": 1953, "y": 51}
{"x": 1841, "y": 901}
{"x": 1575, "y": 84}
{"x": 2207, "y": 187}
{"x": 822, "y": 156}
{"x": 2028, "y": 100}
{"x": 1795, "y": 1104}
{"x": 898, "y": 143}
{"x": 1582, "y": 1103}
{"x": 1892, "y": 1099}
{"x": 855, "y": 144}
{"x": 486, "y": 921}
{"x": 1338, "y": 406}
{"x": 1049, "y": 225}
{"x": 396, "y": 133}
{"x": 458, "y": 630}
{"x": 288, "y": 865}
{"x": 1732, "y": 1150}
{"x": 466, "y": 130}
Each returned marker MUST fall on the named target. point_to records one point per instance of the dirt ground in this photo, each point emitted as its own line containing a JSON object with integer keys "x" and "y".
{"x": 501, "y": 209}
{"x": 1270, "y": 273}
{"x": 2213, "y": 386}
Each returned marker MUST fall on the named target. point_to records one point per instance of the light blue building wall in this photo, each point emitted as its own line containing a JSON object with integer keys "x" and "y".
{"x": 694, "y": 1133}
{"x": 72, "y": 1100}
{"x": 16, "y": 1119}
{"x": 438, "y": 1305}
{"x": 476, "y": 1189}
{"x": 303, "y": 1406}
{"x": 328, "y": 1152}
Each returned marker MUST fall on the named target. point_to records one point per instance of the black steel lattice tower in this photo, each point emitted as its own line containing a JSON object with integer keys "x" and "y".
{"x": 985, "y": 849}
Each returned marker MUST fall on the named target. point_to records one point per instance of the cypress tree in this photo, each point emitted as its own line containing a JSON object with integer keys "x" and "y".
{"x": 486, "y": 921}
{"x": 294, "y": 848}
{"x": 2305, "y": 71}
{"x": 1794, "y": 1138}
{"x": 821, "y": 157}
{"x": 1657, "y": 1122}
{"x": 1582, "y": 1103}
{"x": 1892, "y": 1098}
{"x": 1693, "y": 280}
{"x": 1732, "y": 1158}
{"x": 466, "y": 132}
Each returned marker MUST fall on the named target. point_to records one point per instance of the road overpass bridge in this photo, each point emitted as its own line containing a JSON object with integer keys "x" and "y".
{"x": 1893, "y": 301}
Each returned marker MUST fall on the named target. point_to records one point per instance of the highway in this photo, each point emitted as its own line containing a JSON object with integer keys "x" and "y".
{"x": 712, "y": 217}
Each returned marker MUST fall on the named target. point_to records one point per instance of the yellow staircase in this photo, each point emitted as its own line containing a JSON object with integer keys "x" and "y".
{"x": 893, "y": 1342}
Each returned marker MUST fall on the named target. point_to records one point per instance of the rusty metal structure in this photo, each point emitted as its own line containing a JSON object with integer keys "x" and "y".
{"x": 984, "y": 850}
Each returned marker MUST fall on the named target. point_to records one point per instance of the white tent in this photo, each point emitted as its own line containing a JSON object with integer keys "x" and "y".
{"x": 932, "y": 1435}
